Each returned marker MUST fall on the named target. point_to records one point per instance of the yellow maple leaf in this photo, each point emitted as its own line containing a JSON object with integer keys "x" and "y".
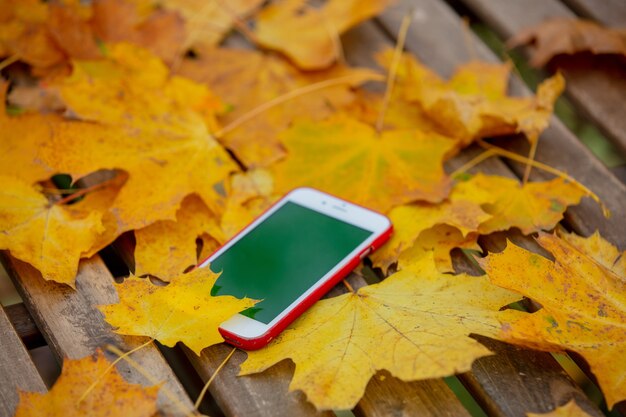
{"x": 309, "y": 36}
{"x": 583, "y": 305}
{"x": 111, "y": 395}
{"x": 183, "y": 311}
{"x": 440, "y": 239}
{"x": 415, "y": 324}
{"x": 459, "y": 210}
{"x": 163, "y": 127}
{"x": 50, "y": 237}
{"x": 167, "y": 248}
{"x": 347, "y": 158}
{"x": 249, "y": 79}
{"x": 473, "y": 104}
{"x": 571, "y": 409}
{"x": 530, "y": 207}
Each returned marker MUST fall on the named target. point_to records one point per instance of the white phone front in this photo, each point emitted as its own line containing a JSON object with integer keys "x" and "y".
{"x": 286, "y": 255}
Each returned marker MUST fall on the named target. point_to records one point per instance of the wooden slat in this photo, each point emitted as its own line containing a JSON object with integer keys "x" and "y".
{"x": 264, "y": 394}
{"x": 440, "y": 40}
{"x": 609, "y": 12}
{"x": 24, "y": 325}
{"x": 597, "y": 86}
{"x": 74, "y": 328}
{"x": 17, "y": 370}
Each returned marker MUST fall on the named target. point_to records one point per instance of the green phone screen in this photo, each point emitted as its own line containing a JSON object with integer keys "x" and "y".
{"x": 282, "y": 257}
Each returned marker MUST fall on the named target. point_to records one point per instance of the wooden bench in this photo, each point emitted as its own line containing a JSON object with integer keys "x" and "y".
{"x": 511, "y": 383}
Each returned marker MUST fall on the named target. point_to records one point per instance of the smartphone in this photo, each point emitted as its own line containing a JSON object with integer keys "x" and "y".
{"x": 289, "y": 257}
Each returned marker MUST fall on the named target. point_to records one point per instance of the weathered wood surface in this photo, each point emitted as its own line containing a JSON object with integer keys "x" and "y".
{"x": 597, "y": 86}
{"x": 74, "y": 328}
{"x": 17, "y": 370}
{"x": 610, "y": 12}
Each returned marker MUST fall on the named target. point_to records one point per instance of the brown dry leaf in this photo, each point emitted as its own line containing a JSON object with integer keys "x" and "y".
{"x": 161, "y": 31}
{"x": 310, "y": 36}
{"x": 530, "y": 207}
{"x": 571, "y": 409}
{"x": 415, "y": 324}
{"x": 473, "y": 104}
{"x": 23, "y": 33}
{"x": 183, "y": 311}
{"x": 562, "y": 35}
{"x": 167, "y": 248}
{"x": 248, "y": 79}
{"x": 112, "y": 395}
{"x": 349, "y": 159}
{"x": 49, "y": 236}
{"x": 69, "y": 25}
{"x": 583, "y": 305}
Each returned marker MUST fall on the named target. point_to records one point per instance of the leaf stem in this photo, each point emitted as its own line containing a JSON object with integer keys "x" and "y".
{"x": 522, "y": 159}
{"x": 348, "y": 286}
{"x": 531, "y": 157}
{"x": 473, "y": 162}
{"x": 206, "y": 386}
{"x": 286, "y": 97}
{"x": 108, "y": 369}
{"x": 82, "y": 192}
{"x": 166, "y": 391}
{"x": 8, "y": 61}
{"x": 393, "y": 69}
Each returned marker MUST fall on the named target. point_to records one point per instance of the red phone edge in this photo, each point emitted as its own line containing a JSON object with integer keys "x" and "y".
{"x": 264, "y": 339}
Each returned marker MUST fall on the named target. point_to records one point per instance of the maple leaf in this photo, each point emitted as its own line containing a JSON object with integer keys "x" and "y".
{"x": 206, "y": 23}
{"x": 582, "y": 305}
{"x": 167, "y": 248}
{"x": 440, "y": 239}
{"x": 530, "y": 207}
{"x": 23, "y": 33}
{"x": 50, "y": 237}
{"x": 308, "y": 36}
{"x": 415, "y": 324}
{"x": 251, "y": 193}
{"x": 347, "y": 158}
{"x": 248, "y": 79}
{"x": 163, "y": 123}
{"x": 183, "y": 311}
{"x": 473, "y": 104}
{"x": 571, "y": 409}
{"x": 111, "y": 395}
{"x": 160, "y": 31}
{"x": 560, "y": 35}
{"x": 460, "y": 210}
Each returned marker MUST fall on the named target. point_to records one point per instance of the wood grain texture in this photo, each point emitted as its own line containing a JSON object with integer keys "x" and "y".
{"x": 264, "y": 394}
{"x": 609, "y": 12}
{"x": 17, "y": 370}
{"x": 596, "y": 85}
{"x": 74, "y": 328}
{"x": 439, "y": 39}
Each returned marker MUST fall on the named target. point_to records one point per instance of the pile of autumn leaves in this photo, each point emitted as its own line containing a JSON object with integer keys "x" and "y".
{"x": 148, "y": 133}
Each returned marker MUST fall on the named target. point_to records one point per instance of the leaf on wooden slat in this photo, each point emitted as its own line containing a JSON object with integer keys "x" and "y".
{"x": 110, "y": 396}
{"x": 415, "y": 324}
{"x": 583, "y": 304}
{"x": 182, "y": 311}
